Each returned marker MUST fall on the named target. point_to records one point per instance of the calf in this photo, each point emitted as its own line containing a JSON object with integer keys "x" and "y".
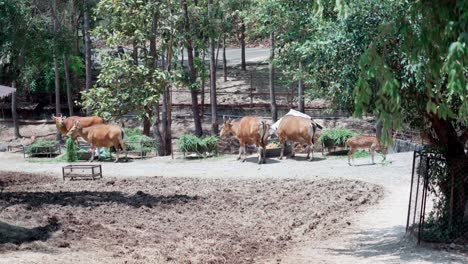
{"x": 297, "y": 129}
{"x": 100, "y": 136}
{"x": 249, "y": 130}
{"x": 364, "y": 142}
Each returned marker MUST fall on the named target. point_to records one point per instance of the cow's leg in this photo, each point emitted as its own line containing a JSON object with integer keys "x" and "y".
{"x": 350, "y": 155}
{"x": 293, "y": 150}
{"x": 283, "y": 145}
{"x": 244, "y": 153}
{"x": 310, "y": 148}
{"x": 124, "y": 149}
{"x": 92, "y": 153}
{"x": 117, "y": 152}
{"x": 260, "y": 155}
{"x": 240, "y": 152}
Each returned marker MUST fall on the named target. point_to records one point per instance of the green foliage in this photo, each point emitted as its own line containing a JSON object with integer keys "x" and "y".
{"x": 335, "y": 136}
{"x": 191, "y": 143}
{"x": 124, "y": 87}
{"x": 71, "y": 154}
{"x": 416, "y": 67}
{"x": 137, "y": 142}
{"x": 42, "y": 146}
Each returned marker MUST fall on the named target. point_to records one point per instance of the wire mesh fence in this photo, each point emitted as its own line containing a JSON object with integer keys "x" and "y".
{"x": 437, "y": 208}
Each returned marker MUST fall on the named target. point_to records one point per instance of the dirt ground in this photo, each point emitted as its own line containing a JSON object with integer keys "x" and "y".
{"x": 169, "y": 220}
{"x": 376, "y": 233}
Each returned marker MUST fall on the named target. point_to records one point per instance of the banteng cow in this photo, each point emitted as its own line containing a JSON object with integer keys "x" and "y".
{"x": 249, "y": 130}
{"x": 364, "y": 142}
{"x": 64, "y": 124}
{"x": 100, "y": 136}
{"x": 297, "y": 129}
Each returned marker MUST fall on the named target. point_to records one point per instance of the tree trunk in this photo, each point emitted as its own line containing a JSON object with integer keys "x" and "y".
{"x": 457, "y": 166}
{"x": 242, "y": 42}
{"x": 147, "y": 124}
{"x": 274, "y": 111}
{"x": 14, "y": 113}
{"x": 193, "y": 71}
{"x": 300, "y": 90}
{"x": 88, "y": 63}
{"x": 68, "y": 83}
{"x": 57, "y": 91}
{"x": 135, "y": 52}
{"x": 202, "y": 96}
{"x": 214, "y": 116}
{"x": 224, "y": 59}
{"x": 157, "y": 131}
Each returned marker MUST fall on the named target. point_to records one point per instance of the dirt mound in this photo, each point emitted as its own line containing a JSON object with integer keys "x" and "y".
{"x": 177, "y": 220}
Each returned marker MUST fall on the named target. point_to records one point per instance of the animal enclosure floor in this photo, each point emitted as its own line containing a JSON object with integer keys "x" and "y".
{"x": 169, "y": 220}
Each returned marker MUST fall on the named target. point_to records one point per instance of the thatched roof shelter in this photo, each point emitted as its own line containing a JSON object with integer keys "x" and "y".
{"x": 6, "y": 91}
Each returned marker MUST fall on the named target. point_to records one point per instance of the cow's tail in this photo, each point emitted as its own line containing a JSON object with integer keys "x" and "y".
{"x": 264, "y": 133}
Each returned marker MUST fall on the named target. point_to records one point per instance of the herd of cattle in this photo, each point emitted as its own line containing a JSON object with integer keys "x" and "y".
{"x": 249, "y": 130}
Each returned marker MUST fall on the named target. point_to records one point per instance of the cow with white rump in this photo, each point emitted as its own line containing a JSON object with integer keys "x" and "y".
{"x": 297, "y": 129}
{"x": 249, "y": 130}
{"x": 100, "y": 136}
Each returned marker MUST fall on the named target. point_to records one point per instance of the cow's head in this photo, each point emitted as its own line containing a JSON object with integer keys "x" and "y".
{"x": 59, "y": 120}
{"x": 75, "y": 130}
{"x": 227, "y": 129}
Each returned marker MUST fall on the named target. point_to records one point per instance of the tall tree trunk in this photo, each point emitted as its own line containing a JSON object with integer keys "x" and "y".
{"x": 224, "y": 59}
{"x": 274, "y": 111}
{"x": 147, "y": 122}
{"x": 14, "y": 112}
{"x": 68, "y": 83}
{"x": 88, "y": 62}
{"x": 214, "y": 116}
{"x": 457, "y": 166}
{"x": 135, "y": 52}
{"x": 57, "y": 90}
{"x": 157, "y": 131}
{"x": 242, "y": 42}
{"x": 300, "y": 90}
{"x": 192, "y": 70}
{"x": 202, "y": 96}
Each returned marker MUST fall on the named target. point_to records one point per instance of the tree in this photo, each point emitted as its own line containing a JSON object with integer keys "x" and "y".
{"x": 214, "y": 118}
{"x": 193, "y": 84}
{"x": 411, "y": 73}
{"x": 24, "y": 47}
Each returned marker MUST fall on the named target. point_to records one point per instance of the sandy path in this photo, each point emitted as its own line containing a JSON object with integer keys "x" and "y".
{"x": 376, "y": 236}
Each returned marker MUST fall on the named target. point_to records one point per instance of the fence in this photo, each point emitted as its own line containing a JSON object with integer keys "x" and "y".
{"x": 431, "y": 215}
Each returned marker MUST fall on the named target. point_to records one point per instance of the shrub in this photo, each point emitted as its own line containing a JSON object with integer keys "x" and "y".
{"x": 71, "y": 155}
{"x": 191, "y": 143}
{"x": 336, "y": 136}
{"x": 137, "y": 142}
{"x": 41, "y": 146}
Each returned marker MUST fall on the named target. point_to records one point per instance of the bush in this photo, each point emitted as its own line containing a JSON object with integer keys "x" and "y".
{"x": 136, "y": 141}
{"x": 336, "y": 136}
{"x": 71, "y": 155}
{"x": 42, "y": 146}
{"x": 191, "y": 143}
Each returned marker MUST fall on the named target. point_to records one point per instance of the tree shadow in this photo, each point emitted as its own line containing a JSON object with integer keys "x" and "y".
{"x": 91, "y": 199}
{"x": 390, "y": 244}
{"x": 18, "y": 235}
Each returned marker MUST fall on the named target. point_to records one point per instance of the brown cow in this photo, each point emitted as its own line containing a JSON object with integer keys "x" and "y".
{"x": 364, "y": 142}
{"x": 64, "y": 124}
{"x": 297, "y": 129}
{"x": 100, "y": 136}
{"x": 249, "y": 130}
